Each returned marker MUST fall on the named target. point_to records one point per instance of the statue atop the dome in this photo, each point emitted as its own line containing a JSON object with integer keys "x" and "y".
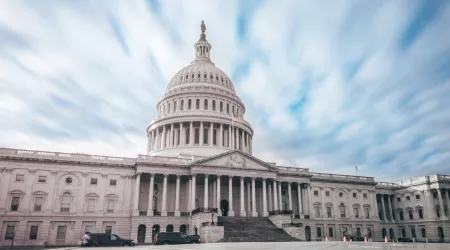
{"x": 203, "y": 27}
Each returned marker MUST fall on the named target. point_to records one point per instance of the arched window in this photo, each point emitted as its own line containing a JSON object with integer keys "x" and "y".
{"x": 213, "y": 105}
{"x": 342, "y": 209}
{"x": 168, "y": 109}
{"x": 232, "y": 108}
{"x": 206, "y": 104}
{"x": 169, "y": 228}
{"x": 221, "y": 106}
{"x": 189, "y": 104}
{"x": 197, "y": 104}
{"x": 182, "y": 105}
{"x": 228, "y": 108}
{"x": 175, "y": 106}
{"x": 196, "y": 136}
{"x": 183, "y": 227}
{"x": 65, "y": 202}
{"x": 205, "y": 135}
{"x": 214, "y": 136}
{"x": 188, "y": 135}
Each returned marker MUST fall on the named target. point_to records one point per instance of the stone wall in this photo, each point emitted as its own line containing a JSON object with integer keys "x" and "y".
{"x": 211, "y": 234}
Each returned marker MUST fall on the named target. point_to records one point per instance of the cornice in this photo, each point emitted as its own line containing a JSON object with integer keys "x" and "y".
{"x": 66, "y": 162}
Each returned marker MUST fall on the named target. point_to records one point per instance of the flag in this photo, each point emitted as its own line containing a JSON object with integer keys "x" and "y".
{"x": 356, "y": 168}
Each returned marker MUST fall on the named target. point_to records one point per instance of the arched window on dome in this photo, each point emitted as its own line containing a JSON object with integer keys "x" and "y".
{"x": 205, "y": 77}
{"x": 217, "y": 78}
{"x": 206, "y": 104}
{"x": 193, "y": 77}
{"x": 197, "y": 104}
{"x": 213, "y": 105}
{"x": 221, "y": 106}
{"x": 168, "y": 109}
{"x": 182, "y": 105}
{"x": 211, "y": 76}
{"x": 175, "y": 106}
{"x": 214, "y": 137}
{"x": 233, "y": 110}
{"x": 198, "y": 75}
{"x": 189, "y": 104}
{"x": 188, "y": 135}
{"x": 205, "y": 136}
{"x": 196, "y": 136}
{"x": 228, "y": 108}
{"x": 221, "y": 79}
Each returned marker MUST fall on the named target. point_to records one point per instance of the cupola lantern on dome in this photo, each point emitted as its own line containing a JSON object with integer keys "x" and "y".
{"x": 202, "y": 47}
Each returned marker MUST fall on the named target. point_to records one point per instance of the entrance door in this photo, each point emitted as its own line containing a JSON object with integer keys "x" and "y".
{"x": 155, "y": 230}
{"x": 224, "y": 207}
{"x": 308, "y": 233}
{"x": 440, "y": 233}
{"x": 141, "y": 233}
{"x": 61, "y": 235}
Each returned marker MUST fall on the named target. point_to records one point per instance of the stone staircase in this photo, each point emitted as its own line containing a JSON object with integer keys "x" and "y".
{"x": 252, "y": 229}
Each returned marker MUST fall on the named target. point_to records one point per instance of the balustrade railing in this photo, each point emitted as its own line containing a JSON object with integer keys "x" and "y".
{"x": 204, "y": 210}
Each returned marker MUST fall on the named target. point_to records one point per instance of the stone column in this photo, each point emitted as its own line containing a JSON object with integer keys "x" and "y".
{"x": 163, "y": 138}
{"x": 150, "y": 195}
{"x": 158, "y": 139}
{"x": 201, "y": 134}
{"x": 211, "y": 134}
{"x": 275, "y": 199}
{"x": 384, "y": 208}
{"x": 251, "y": 145}
{"x": 171, "y": 142}
{"x": 193, "y": 192}
{"x": 164, "y": 197}
{"x": 265, "y": 213}
{"x": 441, "y": 204}
{"x": 236, "y": 138}
{"x": 308, "y": 199}
{"x": 177, "y": 197}
{"x": 299, "y": 192}
{"x": 269, "y": 188}
{"x": 390, "y": 208}
{"x": 176, "y": 136}
{"x": 191, "y": 134}
{"x": 446, "y": 201}
{"x": 182, "y": 135}
{"x": 290, "y": 195}
{"x": 230, "y": 136}
{"x": 243, "y": 141}
{"x": 189, "y": 200}
{"x": 221, "y": 135}
{"x": 218, "y": 194}
{"x": 136, "y": 194}
{"x": 254, "y": 213}
{"x": 242, "y": 213}
{"x": 280, "y": 200}
{"x": 230, "y": 196}
{"x": 249, "y": 206}
{"x": 205, "y": 201}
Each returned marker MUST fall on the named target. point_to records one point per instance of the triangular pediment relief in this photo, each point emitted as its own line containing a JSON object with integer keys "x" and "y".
{"x": 235, "y": 159}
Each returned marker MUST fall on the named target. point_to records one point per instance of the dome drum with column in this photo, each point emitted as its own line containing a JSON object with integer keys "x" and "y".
{"x": 200, "y": 113}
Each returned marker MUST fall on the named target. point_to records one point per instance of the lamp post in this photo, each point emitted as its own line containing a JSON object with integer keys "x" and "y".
{"x": 292, "y": 222}
{"x": 212, "y": 219}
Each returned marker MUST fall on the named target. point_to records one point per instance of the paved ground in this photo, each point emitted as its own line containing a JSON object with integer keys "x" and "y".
{"x": 292, "y": 246}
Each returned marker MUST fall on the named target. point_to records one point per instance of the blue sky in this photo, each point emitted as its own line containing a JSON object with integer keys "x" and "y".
{"x": 327, "y": 84}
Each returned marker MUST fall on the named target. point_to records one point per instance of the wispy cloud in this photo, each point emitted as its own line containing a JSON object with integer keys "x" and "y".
{"x": 328, "y": 85}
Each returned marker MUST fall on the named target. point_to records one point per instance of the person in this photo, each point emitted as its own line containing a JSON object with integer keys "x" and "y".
{"x": 86, "y": 239}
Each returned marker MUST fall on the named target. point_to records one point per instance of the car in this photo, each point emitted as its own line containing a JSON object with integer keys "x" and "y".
{"x": 104, "y": 239}
{"x": 175, "y": 238}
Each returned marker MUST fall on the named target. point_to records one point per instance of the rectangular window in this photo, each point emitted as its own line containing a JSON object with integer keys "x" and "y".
{"x": 408, "y": 198}
{"x": 38, "y": 201}
{"x": 15, "y": 203}
{"x": 108, "y": 229}
{"x": 330, "y": 232}
{"x": 33, "y": 232}
{"x": 398, "y": 199}
{"x": 327, "y": 193}
{"x": 365, "y": 196}
{"x": 20, "y": 177}
{"x": 329, "y": 212}
{"x": 316, "y": 193}
{"x": 424, "y": 233}
{"x": 401, "y": 215}
{"x": 420, "y": 213}
{"x": 404, "y": 233}
{"x": 358, "y": 232}
{"x": 112, "y": 182}
{"x": 9, "y": 234}
{"x": 42, "y": 179}
{"x": 354, "y": 195}
{"x": 417, "y": 197}
{"x": 410, "y": 213}
{"x": 93, "y": 181}
{"x": 413, "y": 233}
{"x": 61, "y": 233}
{"x": 91, "y": 205}
{"x": 319, "y": 232}
{"x": 317, "y": 210}
{"x": 110, "y": 205}
{"x": 366, "y": 212}
{"x": 356, "y": 212}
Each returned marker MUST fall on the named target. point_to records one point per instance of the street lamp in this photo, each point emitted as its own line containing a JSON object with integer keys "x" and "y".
{"x": 212, "y": 219}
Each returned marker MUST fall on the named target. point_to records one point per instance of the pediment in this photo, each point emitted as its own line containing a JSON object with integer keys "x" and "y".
{"x": 235, "y": 159}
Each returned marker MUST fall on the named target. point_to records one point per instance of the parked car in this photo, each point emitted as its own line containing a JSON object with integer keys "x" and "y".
{"x": 104, "y": 239}
{"x": 175, "y": 238}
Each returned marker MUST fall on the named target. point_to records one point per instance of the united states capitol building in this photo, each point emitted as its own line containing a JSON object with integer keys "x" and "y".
{"x": 199, "y": 168}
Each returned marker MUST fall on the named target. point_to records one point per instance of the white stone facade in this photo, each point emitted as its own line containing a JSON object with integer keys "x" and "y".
{"x": 198, "y": 147}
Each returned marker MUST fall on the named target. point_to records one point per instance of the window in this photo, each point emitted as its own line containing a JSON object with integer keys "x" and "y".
{"x": 400, "y": 214}
{"x": 330, "y": 232}
{"x": 214, "y": 136}
{"x": 108, "y": 229}
{"x": 410, "y": 214}
{"x": 408, "y": 198}
{"x": 61, "y": 233}
{"x": 356, "y": 212}
{"x": 197, "y": 136}
{"x": 420, "y": 210}
{"x": 341, "y": 194}
{"x": 327, "y": 193}
{"x": 38, "y": 201}
{"x": 175, "y": 106}
{"x": 93, "y": 181}
{"x": 366, "y": 212}
{"x": 413, "y": 232}
{"x": 319, "y": 232}
{"x": 438, "y": 211}
{"x": 398, "y": 199}
{"x": 197, "y": 104}
{"x": 205, "y": 105}
{"x": 417, "y": 197}
{"x": 205, "y": 135}
{"x": 42, "y": 179}
{"x": 68, "y": 180}
{"x": 189, "y": 104}
{"x": 317, "y": 211}
{"x": 424, "y": 233}
{"x": 188, "y": 135}
{"x": 329, "y": 212}
{"x": 403, "y": 233}
{"x": 213, "y": 105}
{"x": 342, "y": 210}
{"x": 365, "y": 196}
{"x": 354, "y": 195}
{"x": 110, "y": 205}
{"x": 91, "y": 205}
{"x": 112, "y": 182}
{"x": 15, "y": 203}
{"x": 20, "y": 177}
{"x": 168, "y": 109}
{"x": 33, "y": 232}
{"x": 182, "y": 105}
{"x": 358, "y": 232}
{"x": 221, "y": 106}
{"x": 9, "y": 234}
{"x": 65, "y": 202}
{"x": 228, "y": 108}
{"x": 316, "y": 193}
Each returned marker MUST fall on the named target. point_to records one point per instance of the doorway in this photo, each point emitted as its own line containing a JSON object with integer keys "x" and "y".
{"x": 308, "y": 233}
{"x": 224, "y": 207}
{"x": 440, "y": 232}
{"x": 391, "y": 233}
{"x": 141, "y": 233}
{"x": 155, "y": 230}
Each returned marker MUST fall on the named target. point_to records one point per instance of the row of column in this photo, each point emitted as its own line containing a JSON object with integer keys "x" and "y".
{"x": 180, "y": 135}
{"x": 443, "y": 192}
{"x": 273, "y": 187}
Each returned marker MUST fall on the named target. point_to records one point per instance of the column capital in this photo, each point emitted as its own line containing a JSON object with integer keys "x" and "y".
{"x": 253, "y": 178}
{"x": 218, "y": 175}
{"x": 178, "y": 175}
{"x": 165, "y": 175}
{"x": 289, "y": 182}
{"x": 138, "y": 174}
{"x": 206, "y": 175}
{"x": 193, "y": 175}
{"x": 242, "y": 177}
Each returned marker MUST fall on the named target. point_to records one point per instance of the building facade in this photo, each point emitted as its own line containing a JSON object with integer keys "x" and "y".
{"x": 199, "y": 163}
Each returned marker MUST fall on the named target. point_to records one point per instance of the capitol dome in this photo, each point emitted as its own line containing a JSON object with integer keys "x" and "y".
{"x": 200, "y": 113}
